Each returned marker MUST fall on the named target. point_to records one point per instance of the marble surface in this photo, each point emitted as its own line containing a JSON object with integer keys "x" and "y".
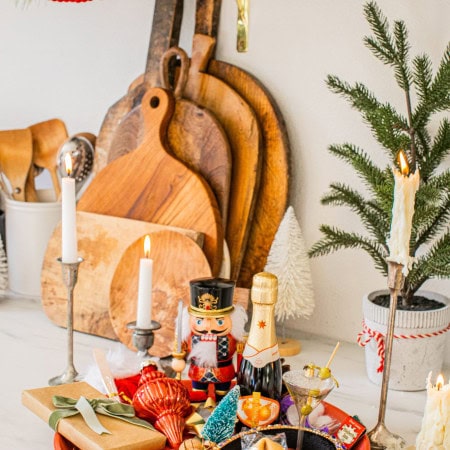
{"x": 33, "y": 350}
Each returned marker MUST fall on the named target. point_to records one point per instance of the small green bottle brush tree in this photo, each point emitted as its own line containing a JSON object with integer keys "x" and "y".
{"x": 426, "y": 95}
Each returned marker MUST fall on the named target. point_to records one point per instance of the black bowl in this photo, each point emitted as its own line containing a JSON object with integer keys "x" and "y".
{"x": 312, "y": 440}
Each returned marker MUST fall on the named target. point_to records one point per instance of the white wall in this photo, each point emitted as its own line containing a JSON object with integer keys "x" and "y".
{"x": 74, "y": 60}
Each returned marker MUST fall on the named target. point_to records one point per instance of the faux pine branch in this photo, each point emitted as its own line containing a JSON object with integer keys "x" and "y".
{"x": 395, "y": 130}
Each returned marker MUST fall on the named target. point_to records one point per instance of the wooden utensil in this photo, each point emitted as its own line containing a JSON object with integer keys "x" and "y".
{"x": 243, "y": 133}
{"x": 165, "y": 34}
{"x": 16, "y": 148}
{"x": 48, "y": 136}
{"x": 274, "y": 186}
{"x": 101, "y": 242}
{"x": 176, "y": 260}
{"x": 150, "y": 184}
{"x": 194, "y": 135}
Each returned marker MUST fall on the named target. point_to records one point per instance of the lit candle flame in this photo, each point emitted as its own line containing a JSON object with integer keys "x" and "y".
{"x": 403, "y": 161}
{"x": 68, "y": 163}
{"x": 439, "y": 382}
{"x": 147, "y": 246}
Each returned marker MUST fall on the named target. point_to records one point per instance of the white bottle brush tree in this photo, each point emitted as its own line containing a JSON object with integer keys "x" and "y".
{"x": 288, "y": 260}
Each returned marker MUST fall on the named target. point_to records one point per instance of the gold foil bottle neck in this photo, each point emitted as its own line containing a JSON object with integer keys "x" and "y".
{"x": 264, "y": 288}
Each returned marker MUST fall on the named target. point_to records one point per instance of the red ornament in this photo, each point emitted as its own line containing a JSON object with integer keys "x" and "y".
{"x": 165, "y": 402}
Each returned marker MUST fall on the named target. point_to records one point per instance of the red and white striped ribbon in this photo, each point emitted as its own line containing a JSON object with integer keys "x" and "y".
{"x": 367, "y": 334}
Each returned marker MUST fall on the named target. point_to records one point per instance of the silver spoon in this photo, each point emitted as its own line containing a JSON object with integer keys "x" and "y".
{"x": 81, "y": 149}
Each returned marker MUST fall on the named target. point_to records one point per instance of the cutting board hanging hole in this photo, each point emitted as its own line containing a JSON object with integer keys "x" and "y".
{"x": 154, "y": 102}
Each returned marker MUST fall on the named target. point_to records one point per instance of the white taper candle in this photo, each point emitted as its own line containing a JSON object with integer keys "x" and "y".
{"x": 405, "y": 189}
{"x": 68, "y": 208}
{"x": 435, "y": 431}
{"x": 144, "y": 306}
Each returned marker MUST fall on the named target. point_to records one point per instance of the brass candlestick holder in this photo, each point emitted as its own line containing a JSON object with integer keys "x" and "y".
{"x": 70, "y": 277}
{"x": 380, "y": 437}
{"x": 143, "y": 338}
{"x": 178, "y": 363}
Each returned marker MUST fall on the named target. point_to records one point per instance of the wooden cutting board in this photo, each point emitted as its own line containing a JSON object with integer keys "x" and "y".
{"x": 194, "y": 135}
{"x": 176, "y": 260}
{"x": 274, "y": 184}
{"x": 101, "y": 242}
{"x": 273, "y": 191}
{"x": 165, "y": 33}
{"x": 243, "y": 133}
{"x": 150, "y": 184}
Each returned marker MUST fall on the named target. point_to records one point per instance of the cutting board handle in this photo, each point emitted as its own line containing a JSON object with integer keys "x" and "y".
{"x": 183, "y": 72}
{"x": 165, "y": 34}
{"x": 157, "y": 109}
{"x": 202, "y": 51}
{"x": 207, "y": 15}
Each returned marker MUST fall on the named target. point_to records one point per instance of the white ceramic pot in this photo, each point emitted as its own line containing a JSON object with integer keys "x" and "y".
{"x": 419, "y": 342}
{"x": 29, "y": 226}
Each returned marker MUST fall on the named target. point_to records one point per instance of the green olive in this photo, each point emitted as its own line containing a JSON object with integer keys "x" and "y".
{"x": 306, "y": 410}
{"x": 324, "y": 373}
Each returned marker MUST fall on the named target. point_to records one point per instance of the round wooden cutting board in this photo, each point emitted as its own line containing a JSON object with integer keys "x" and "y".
{"x": 177, "y": 259}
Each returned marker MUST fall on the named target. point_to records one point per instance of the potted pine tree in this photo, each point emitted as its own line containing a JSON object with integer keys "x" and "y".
{"x": 421, "y": 320}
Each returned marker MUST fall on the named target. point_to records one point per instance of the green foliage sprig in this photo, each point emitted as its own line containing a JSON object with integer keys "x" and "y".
{"x": 394, "y": 130}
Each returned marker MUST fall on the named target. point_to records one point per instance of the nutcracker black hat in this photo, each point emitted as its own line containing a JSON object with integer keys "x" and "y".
{"x": 211, "y": 297}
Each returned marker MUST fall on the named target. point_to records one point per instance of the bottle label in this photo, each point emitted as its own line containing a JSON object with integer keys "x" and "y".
{"x": 261, "y": 357}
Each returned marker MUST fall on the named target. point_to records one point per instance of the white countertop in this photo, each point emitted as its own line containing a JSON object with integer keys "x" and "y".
{"x": 33, "y": 350}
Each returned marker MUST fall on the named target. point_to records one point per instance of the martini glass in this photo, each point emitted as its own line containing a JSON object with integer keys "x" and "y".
{"x": 308, "y": 387}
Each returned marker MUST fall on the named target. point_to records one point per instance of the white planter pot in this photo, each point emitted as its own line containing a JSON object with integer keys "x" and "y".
{"x": 419, "y": 342}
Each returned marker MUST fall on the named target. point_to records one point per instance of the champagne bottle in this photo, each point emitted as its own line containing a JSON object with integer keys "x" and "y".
{"x": 260, "y": 369}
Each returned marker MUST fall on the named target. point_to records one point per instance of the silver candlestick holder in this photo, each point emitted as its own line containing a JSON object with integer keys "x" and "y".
{"x": 380, "y": 437}
{"x": 70, "y": 277}
{"x": 143, "y": 338}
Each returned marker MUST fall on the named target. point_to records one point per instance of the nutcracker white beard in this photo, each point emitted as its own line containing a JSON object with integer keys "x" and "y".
{"x": 205, "y": 353}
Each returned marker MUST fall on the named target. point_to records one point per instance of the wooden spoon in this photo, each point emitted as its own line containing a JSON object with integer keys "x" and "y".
{"x": 48, "y": 136}
{"x": 16, "y": 148}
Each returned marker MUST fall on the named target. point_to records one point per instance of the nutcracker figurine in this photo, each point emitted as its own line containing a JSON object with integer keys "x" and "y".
{"x": 212, "y": 328}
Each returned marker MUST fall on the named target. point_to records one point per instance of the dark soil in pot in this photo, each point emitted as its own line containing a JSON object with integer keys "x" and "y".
{"x": 419, "y": 303}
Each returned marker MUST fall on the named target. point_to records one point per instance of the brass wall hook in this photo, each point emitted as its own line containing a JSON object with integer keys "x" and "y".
{"x": 242, "y": 25}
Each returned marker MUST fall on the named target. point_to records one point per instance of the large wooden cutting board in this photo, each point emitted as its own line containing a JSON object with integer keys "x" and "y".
{"x": 176, "y": 261}
{"x": 242, "y": 129}
{"x": 165, "y": 32}
{"x": 194, "y": 134}
{"x": 101, "y": 242}
{"x": 274, "y": 184}
{"x": 152, "y": 185}
{"x": 273, "y": 191}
